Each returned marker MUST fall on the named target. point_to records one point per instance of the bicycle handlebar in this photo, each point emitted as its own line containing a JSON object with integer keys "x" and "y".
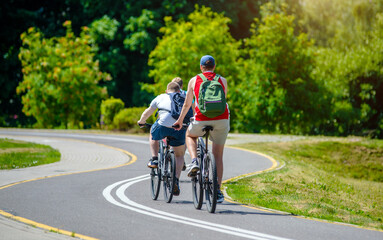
{"x": 184, "y": 126}
{"x": 146, "y": 125}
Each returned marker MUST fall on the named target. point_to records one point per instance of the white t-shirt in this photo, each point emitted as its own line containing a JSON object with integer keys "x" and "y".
{"x": 163, "y": 101}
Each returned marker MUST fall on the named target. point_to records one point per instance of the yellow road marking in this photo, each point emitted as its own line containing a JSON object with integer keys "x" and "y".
{"x": 133, "y": 159}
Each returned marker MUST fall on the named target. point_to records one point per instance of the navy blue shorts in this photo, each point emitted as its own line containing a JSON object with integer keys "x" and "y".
{"x": 160, "y": 132}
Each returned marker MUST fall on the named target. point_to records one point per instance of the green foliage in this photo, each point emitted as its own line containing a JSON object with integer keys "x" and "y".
{"x": 338, "y": 77}
{"x": 340, "y": 23}
{"x": 277, "y": 92}
{"x": 127, "y": 119}
{"x": 355, "y": 80}
{"x": 127, "y": 63}
{"x": 183, "y": 43}
{"x": 104, "y": 28}
{"x": 139, "y": 27}
{"x": 109, "y": 108}
{"x": 60, "y": 79}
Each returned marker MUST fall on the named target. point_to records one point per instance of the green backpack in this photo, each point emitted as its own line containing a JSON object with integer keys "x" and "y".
{"x": 211, "y": 98}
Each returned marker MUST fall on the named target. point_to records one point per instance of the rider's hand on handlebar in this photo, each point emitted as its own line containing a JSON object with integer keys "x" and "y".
{"x": 141, "y": 123}
{"x": 177, "y": 126}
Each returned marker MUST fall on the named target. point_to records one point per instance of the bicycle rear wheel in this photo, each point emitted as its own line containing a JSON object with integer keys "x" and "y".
{"x": 211, "y": 187}
{"x": 169, "y": 176}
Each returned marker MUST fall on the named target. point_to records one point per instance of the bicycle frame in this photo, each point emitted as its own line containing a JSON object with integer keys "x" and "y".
{"x": 206, "y": 177}
{"x": 165, "y": 147}
{"x": 205, "y": 148}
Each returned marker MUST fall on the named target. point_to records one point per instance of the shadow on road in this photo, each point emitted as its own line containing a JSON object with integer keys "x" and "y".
{"x": 243, "y": 211}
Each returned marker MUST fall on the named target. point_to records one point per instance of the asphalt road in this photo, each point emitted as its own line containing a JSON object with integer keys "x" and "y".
{"x": 116, "y": 204}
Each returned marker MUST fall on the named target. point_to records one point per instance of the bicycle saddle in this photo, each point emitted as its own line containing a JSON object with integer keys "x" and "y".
{"x": 170, "y": 137}
{"x": 207, "y": 128}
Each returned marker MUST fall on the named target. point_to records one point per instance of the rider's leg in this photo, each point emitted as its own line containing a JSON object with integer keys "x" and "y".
{"x": 179, "y": 153}
{"x": 154, "y": 146}
{"x": 191, "y": 143}
{"x": 218, "y": 156}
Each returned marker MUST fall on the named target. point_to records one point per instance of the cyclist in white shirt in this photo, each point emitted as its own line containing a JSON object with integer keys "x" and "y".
{"x": 163, "y": 128}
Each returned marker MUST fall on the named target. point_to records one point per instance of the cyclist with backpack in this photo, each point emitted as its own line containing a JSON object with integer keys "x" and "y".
{"x": 210, "y": 91}
{"x": 168, "y": 104}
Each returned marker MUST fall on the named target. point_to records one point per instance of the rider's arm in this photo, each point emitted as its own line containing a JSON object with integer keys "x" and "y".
{"x": 146, "y": 114}
{"x": 187, "y": 104}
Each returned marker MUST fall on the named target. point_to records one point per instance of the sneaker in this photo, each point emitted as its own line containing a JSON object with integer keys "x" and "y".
{"x": 193, "y": 168}
{"x": 176, "y": 189}
{"x": 152, "y": 163}
{"x": 220, "y": 197}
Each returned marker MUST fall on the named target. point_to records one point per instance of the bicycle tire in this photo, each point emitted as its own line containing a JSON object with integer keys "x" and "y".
{"x": 155, "y": 182}
{"x": 169, "y": 176}
{"x": 211, "y": 186}
{"x": 155, "y": 174}
{"x": 197, "y": 184}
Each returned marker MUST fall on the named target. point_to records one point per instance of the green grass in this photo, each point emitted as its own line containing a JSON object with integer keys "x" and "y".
{"x": 336, "y": 180}
{"x": 18, "y": 154}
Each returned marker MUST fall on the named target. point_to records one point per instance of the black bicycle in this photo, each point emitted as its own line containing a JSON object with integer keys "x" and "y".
{"x": 166, "y": 170}
{"x": 206, "y": 179}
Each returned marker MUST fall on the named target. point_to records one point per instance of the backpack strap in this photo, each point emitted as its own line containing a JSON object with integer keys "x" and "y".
{"x": 202, "y": 77}
{"x": 216, "y": 78}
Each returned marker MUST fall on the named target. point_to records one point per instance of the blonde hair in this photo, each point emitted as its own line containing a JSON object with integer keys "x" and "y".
{"x": 179, "y": 81}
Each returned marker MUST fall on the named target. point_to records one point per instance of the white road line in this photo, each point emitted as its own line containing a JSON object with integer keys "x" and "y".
{"x": 82, "y": 136}
{"x": 131, "y": 205}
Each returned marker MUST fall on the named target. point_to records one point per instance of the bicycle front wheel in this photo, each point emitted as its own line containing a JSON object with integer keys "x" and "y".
{"x": 155, "y": 182}
{"x": 155, "y": 174}
{"x": 211, "y": 183}
{"x": 169, "y": 176}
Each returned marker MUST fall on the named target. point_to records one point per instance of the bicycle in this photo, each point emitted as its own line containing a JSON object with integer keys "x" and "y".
{"x": 206, "y": 179}
{"x": 166, "y": 170}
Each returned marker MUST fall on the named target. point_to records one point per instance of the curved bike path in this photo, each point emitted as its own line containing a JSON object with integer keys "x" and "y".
{"x": 95, "y": 156}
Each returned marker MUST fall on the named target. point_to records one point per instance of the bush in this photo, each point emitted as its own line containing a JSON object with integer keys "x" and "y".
{"x": 60, "y": 79}
{"x": 277, "y": 92}
{"x": 109, "y": 108}
{"x": 127, "y": 119}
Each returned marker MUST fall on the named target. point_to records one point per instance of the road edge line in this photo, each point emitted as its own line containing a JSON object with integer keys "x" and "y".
{"x": 133, "y": 159}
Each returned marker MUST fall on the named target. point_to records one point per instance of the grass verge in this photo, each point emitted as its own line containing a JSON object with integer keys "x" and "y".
{"x": 18, "y": 154}
{"x": 336, "y": 180}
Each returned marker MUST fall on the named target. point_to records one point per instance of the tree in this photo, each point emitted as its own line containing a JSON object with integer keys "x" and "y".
{"x": 124, "y": 56}
{"x": 183, "y": 43}
{"x": 60, "y": 79}
{"x": 277, "y": 92}
{"x": 341, "y": 23}
{"x": 355, "y": 80}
